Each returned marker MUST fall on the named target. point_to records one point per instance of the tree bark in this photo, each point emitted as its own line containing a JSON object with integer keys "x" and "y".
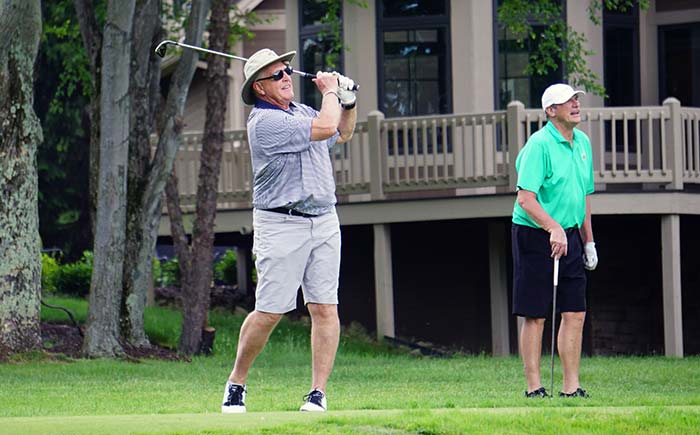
{"x": 102, "y": 329}
{"x": 145, "y": 88}
{"x": 196, "y": 287}
{"x": 169, "y": 138}
{"x": 20, "y": 134}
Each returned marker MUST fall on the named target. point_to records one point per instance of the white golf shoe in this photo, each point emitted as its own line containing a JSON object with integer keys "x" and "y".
{"x": 315, "y": 401}
{"x": 234, "y": 399}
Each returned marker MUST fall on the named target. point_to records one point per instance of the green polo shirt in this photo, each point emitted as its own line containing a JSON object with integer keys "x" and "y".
{"x": 560, "y": 175}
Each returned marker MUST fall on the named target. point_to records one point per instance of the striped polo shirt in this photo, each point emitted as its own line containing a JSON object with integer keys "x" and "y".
{"x": 289, "y": 170}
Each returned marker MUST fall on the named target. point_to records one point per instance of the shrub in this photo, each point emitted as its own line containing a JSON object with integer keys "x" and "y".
{"x": 49, "y": 269}
{"x": 74, "y": 278}
{"x": 169, "y": 273}
{"x": 157, "y": 272}
{"x": 225, "y": 269}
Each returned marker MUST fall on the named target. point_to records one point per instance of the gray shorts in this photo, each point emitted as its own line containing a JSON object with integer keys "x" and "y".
{"x": 293, "y": 251}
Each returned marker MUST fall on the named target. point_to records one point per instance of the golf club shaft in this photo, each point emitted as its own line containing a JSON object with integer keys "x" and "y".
{"x": 554, "y": 315}
{"x": 160, "y": 50}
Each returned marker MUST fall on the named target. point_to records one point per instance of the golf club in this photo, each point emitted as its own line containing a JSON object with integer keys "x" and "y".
{"x": 554, "y": 314}
{"x": 163, "y": 46}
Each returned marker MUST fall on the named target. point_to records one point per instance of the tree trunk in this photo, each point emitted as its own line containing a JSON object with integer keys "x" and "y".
{"x": 102, "y": 329}
{"x": 196, "y": 289}
{"x": 20, "y": 134}
{"x": 169, "y": 138}
{"x": 145, "y": 88}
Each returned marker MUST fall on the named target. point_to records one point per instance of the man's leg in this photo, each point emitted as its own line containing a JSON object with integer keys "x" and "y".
{"x": 569, "y": 342}
{"x": 531, "y": 351}
{"x": 325, "y": 334}
{"x": 255, "y": 332}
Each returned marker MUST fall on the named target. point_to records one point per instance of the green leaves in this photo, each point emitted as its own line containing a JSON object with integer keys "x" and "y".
{"x": 559, "y": 42}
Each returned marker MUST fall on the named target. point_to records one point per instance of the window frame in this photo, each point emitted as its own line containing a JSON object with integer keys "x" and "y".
{"x": 312, "y": 31}
{"x": 413, "y": 23}
{"x": 496, "y": 28}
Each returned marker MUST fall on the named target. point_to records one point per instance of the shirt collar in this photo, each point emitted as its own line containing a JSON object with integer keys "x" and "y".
{"x": 262, "y": 104}
{"x": 557, "y": 135}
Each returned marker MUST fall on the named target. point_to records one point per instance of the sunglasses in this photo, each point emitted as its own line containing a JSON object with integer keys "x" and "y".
{"x": 277, "y": 76}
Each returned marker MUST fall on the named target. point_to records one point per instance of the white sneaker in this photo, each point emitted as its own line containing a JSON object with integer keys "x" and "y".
{"x": 315, "y": 402}
{"x": 234, "y": 399}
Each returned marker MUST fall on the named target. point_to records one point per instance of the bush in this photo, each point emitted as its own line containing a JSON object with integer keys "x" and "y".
{"x": 169, "y": 274}
{"x": 74, "y": 278}
{"x": 49, "y": 269}
{"x": 225, "y": 269}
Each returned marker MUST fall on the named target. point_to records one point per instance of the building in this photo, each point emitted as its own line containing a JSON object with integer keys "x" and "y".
{"x": 426, "y": 187}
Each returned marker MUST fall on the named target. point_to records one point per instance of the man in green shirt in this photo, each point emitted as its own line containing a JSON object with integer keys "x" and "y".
{"x": 552, "y": 219}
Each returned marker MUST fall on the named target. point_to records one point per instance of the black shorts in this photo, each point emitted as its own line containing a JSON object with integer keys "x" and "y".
{"x": 533, "y": 269}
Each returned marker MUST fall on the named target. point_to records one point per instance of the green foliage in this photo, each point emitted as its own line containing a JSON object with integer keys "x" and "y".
{"x": 168, "y": 274}
{"x": 559, "y": 42}
{"x": 225, "y": 269}
{"x": 49, "y": 270}
{"x": 62, "y": 98}
{"x": 74, "y": 278}
{"x": 241, "y": 23}
{"x": 332, "y": 28}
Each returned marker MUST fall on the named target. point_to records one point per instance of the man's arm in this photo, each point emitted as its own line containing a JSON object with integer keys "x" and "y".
{"x": 557, "y": 237}
{"x": 326, "y": 124}
{"x": 346, "y": 127}
{"x": 587, "y": 227}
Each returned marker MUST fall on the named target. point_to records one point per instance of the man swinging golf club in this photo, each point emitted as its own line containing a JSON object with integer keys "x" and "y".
{"x": 552, "y": 220}
{"x": 296, "y": 230}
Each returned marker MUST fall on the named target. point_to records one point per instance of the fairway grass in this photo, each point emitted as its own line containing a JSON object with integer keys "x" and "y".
{"x": 374, "y": 389}
{"x": 599, "y": 420}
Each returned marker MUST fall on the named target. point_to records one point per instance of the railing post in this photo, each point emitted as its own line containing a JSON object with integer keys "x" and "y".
{"x": 674, "y": 142}
{"x": 516, "y": 141}
{"x": 376, "y": 152}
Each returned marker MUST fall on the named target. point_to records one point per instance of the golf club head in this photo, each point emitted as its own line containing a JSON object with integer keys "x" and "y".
{"x": 162, "y": 48}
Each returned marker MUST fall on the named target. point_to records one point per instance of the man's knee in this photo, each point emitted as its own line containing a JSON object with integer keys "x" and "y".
{"x": 267, "y": 319}
{"x": 574, "y": 316}
{"x": 323, "y": 312}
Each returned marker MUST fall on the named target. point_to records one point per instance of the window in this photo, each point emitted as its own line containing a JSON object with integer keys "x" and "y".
{"x": 621, "y": 71}
{"x": 414, "y": 47}
{"x": 315, "y": 46}
{"x": 679, "y": 63}
{"x": 512, "y": 82}
{"x": 621, "y": 54}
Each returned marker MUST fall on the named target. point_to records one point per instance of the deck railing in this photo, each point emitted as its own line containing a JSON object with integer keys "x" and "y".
{"x": 468, "y": 154}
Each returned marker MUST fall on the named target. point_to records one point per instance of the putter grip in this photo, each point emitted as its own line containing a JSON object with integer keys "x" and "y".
{"x": 556, "y": 271}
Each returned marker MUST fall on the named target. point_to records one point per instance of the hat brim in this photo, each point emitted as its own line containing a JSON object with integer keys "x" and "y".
{"x": 247, "y": 93}
{"x": 564, "y": 100}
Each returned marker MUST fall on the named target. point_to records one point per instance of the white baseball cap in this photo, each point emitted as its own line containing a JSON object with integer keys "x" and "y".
{"x": 256, "y": 63}
{"x": 558, "y": 94}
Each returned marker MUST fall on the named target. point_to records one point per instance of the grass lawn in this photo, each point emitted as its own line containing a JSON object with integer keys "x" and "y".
{"x": 374, "y": 390}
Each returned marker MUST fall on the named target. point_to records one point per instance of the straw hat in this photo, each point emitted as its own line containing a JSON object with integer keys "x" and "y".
{"x": 257, "y": 62}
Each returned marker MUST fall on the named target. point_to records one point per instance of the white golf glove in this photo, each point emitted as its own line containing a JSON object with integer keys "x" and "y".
{"x": 345, "y": 91}
{"x": 590, "y": 256}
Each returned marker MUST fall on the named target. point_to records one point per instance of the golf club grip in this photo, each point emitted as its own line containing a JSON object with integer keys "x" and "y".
{"x": 556, "y": 271}
{"x": 310, "y": 76}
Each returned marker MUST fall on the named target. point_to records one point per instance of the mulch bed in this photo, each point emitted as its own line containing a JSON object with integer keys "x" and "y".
{"x": 65, "y": 339}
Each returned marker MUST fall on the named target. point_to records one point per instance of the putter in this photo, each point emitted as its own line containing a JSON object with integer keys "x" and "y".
{"x": 554, "y": 314}
{"x": 163, "y": 46}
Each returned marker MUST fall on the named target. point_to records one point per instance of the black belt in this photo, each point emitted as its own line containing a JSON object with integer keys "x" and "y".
{"x": 289, "y": 211}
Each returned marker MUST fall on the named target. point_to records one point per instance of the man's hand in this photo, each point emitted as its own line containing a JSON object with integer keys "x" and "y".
{"x": 558, "y": 242}
{"x": 345, "y": 91}
{"x": 590, "y": 256}
{"x": 326, "y": 82}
